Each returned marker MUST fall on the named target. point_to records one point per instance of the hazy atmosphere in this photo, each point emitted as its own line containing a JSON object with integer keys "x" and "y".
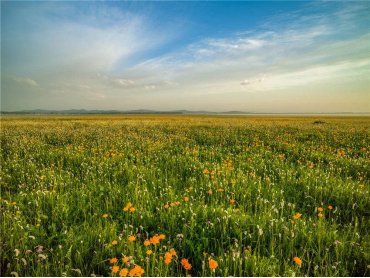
{"x": 216, "y": 56}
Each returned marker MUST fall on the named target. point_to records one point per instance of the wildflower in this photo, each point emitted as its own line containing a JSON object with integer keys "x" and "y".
{"x": 187, "y": 266}
{"x": 168, "y": 255}
{"x": 178, "y": 203}
{"x": 154, "y": 240}
{"x": 298, "y": 215}
{"x": 123, "y": 272}
{"x": 115, "y": 269}
{"x": 173, "y": 253}
{"x": 320, "y": 209}
{"x": 320, "y": 215}
{"x": 132, "y": 209}
{"x": 105, "y": 215}
{"x": 172, "y": 204}
{"x": 210, "y": 192}
{"x": 28, "y": 252}
{"x": 189, "y": 275}
{"x": 167, "y": 261}
{"x": 114, "y": 242}
{"x": 330, "y": 207}
{"x": 114, "y": 260}
{"x": 186, "y": 199}
{"x": 213, "y": 264}
{"x": 129, "y": 205}
{"x": 162, "y": 237}
{"x": 297, "y": 260}
{"x": 13, "y": 203}
{"x": 137, "y": 271}
{"x": 166, "y": 206}
{"x": 131, "y": 238}
{"x": 146, "y": 242}
{"x": 149, "y": 252}
{"x": 232, "y": 201}
{"x": 236, "y": 210}
{"x": 361, "y": 185}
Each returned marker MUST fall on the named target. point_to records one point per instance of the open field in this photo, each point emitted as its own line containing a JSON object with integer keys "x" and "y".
{"x": 240, "y": 196}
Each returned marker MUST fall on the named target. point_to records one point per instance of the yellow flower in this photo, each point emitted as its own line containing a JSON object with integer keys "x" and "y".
{"x": 13, "y": 203}
{"x": 105, "y": 215}
{"x": 149, "y": 252}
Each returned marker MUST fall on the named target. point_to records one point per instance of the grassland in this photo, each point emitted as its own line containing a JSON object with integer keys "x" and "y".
{"x": 238, "y": 196}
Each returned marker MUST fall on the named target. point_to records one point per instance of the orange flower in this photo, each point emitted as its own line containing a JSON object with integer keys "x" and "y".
{"x": 125, "y": 259}
{"x": 213, "y": 264}
{"x": 146, "y": 242}
{"x": 166, "y": 206}
{"x": 129, "y": 205}
{"x": 167, "y": 261}
{"x": 297, "y": 260}
{"x": 105, "y": 215}
{"x": 115, "y": 269}
{"x": 184, "y": 262}
{"x": 15, "y": 203}
{"x": 131, "y": 238}
{"x": 320, "y": 209}
{"x": 114, "y": 242}
{"x": 236, "y": 210}
{"x": 172, "y": 204}
{"x": 123, "y": 272}
{"x": 361, "y": 185}
{"x": 186, "y": 199}
{"x": 210, "y": 192}
{"x": 137, "y": 271}
{"x": 173, "y": 252}
{"x": 125, "y": 209}
{"x": 149, "y": 252}
{"x": 232, "y": 201}
{"x": 298, "y": 215}
{"x": 154, "y": 240}
{"x": 190, "y": 188}
{"x": 220, "y": 190}
{"x": 132, "y": 209}
{"x": 178, "y": 203}
{"x": 114, "y": 260}
{"x": 189, "y": 275}
{"x": 320, "y": 215}
{"x": 330, "y": 207}
{"x": 162, "y": 237}
{"x": 168, "y": 255}
{"x": 187, "y": 266}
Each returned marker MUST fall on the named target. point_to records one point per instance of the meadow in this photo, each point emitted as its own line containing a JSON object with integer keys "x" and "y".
{"x": 185, "y": 196}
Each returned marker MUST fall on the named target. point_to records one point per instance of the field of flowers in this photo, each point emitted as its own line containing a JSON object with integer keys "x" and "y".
{"x": 185, "y": 196}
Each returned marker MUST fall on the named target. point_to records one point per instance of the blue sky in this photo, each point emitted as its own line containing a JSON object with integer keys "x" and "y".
{"x": 217, "y": 56}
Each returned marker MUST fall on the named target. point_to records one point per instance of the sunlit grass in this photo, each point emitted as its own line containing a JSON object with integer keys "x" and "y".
{"x": 136, "y": 195}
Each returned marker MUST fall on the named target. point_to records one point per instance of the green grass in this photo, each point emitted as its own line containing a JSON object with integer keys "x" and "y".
{"x": 60, "y": 175}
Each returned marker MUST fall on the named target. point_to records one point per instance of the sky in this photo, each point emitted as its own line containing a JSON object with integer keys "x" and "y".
{"x": 267, "y": 57}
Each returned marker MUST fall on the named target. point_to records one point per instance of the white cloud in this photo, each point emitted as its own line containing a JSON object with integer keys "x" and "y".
{"x": 24, "y": 80}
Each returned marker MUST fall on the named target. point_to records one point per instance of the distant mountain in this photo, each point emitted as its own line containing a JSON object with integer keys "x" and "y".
{"x": 139, "y": 111}
{"x": 146, "y": 111}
